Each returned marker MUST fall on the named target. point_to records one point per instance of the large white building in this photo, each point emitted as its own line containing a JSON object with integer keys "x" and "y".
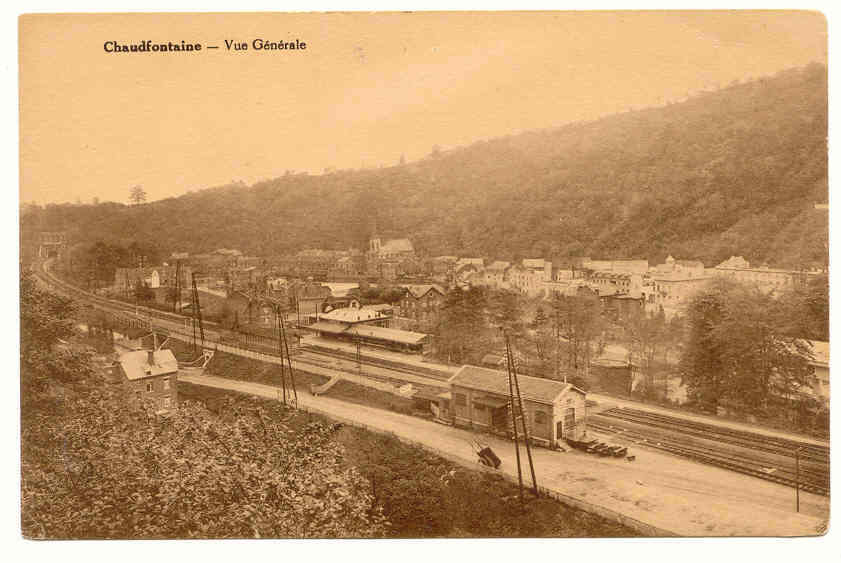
{"x": 770, "y": 280}
{"x": 673, "y": 285}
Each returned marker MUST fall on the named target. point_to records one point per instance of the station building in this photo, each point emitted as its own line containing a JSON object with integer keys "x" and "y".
{"x": 479, "y": 398}
{"x": 367, "y": 325}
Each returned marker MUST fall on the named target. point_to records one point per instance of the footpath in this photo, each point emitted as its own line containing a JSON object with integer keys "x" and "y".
{"x": 657, "y": 494}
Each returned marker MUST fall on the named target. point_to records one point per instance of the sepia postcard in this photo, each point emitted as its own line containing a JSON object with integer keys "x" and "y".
{"x": 424, "y": 275}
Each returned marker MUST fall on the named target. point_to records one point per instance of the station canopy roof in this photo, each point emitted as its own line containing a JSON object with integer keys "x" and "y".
{"x": 332, "y": 328}
{"x": 388, "y": 334}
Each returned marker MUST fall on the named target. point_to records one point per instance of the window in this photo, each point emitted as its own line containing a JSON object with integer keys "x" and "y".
{"x": 148, "y": 387}
{"x": 539, "y": 417}
{"x": 461, "y": 400}
{"x": 167, "y": 402}
{"x": 166, "y": 383}
{"x": 478, "y": 406}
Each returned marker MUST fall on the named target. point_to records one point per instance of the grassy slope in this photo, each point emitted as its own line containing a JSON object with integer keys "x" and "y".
{"x": 235, "y": 367}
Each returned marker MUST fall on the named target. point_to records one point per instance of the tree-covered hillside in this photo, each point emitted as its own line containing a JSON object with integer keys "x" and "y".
{"x": 736, "y": 171}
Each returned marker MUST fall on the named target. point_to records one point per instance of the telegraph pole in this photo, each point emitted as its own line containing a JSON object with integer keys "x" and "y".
{"x": 522, "y": 418}
{"x": 512, "y": 375}
{"x": 176, "y": 301}
{"x": 797, "y": 478}
{"x": 514, "y": 423}
{"x": 288, "y": 359}
{"x": 280, "y": 349}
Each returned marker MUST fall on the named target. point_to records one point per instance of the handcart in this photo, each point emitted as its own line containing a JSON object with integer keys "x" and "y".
{"x": 486, "y": 454}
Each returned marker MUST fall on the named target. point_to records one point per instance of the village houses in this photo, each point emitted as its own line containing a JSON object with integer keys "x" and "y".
{"x": 422, "y": 304}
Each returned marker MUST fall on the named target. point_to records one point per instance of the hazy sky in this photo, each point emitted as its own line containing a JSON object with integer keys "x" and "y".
{"x": 367, "y": 89}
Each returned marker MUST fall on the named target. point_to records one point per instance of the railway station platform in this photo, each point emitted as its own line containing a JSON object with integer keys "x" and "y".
{"x": 412, "y": 360}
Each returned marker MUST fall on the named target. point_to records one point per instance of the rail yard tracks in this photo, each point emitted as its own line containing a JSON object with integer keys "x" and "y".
{"x": 765, "y": 457}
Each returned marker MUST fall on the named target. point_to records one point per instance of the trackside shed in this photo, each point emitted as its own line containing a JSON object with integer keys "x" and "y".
{"x": 553, "y": 410}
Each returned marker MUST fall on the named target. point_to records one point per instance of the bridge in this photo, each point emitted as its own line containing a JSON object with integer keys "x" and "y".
{"x": 52, "y": 244}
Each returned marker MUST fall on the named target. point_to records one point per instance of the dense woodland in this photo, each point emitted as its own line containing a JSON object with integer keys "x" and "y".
{"x": 735, "y": 171}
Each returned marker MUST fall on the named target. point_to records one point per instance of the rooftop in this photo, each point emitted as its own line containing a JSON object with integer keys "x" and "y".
{"x": 419, "y": 291}
{"x": 496, "y": 382}
{"x": 136, "y": 365}
{"x": 389, "y": 334}
{"x": 353, "y": 315}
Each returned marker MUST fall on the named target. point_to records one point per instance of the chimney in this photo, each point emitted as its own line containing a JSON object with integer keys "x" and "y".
{"x": 151, "y": 357}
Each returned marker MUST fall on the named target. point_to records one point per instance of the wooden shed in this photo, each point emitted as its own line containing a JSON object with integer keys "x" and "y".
{"x": 553, "y": 410}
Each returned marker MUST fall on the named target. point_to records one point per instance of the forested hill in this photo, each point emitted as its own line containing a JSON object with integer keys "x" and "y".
{"x": 736, "y": 171}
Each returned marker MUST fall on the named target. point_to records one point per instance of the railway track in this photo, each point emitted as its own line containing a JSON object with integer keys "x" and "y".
{"x": 761, "y": 442}
{"x": 742, "y": 452}
{"x": 810, "y": 482}
{"x": 80, "y": 294}
{"x": 243, "y": 341}
{"x": 430, "y": 373}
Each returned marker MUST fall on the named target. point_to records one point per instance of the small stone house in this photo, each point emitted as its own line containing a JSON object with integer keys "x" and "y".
{"x": 151, "y": 376}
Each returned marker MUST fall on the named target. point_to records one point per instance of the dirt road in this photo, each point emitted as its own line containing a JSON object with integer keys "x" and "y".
{"x": 669, "y": 493}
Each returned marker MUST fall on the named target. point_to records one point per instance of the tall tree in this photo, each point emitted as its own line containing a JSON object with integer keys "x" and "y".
{"x": 462, "y": 326}
{"x": 137, "y": 195}
{"x": 739, "y": 355}
{"x": 648, "y": 339}
{"x": 702, "y": 364}
{"x": 578, "y": 324}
